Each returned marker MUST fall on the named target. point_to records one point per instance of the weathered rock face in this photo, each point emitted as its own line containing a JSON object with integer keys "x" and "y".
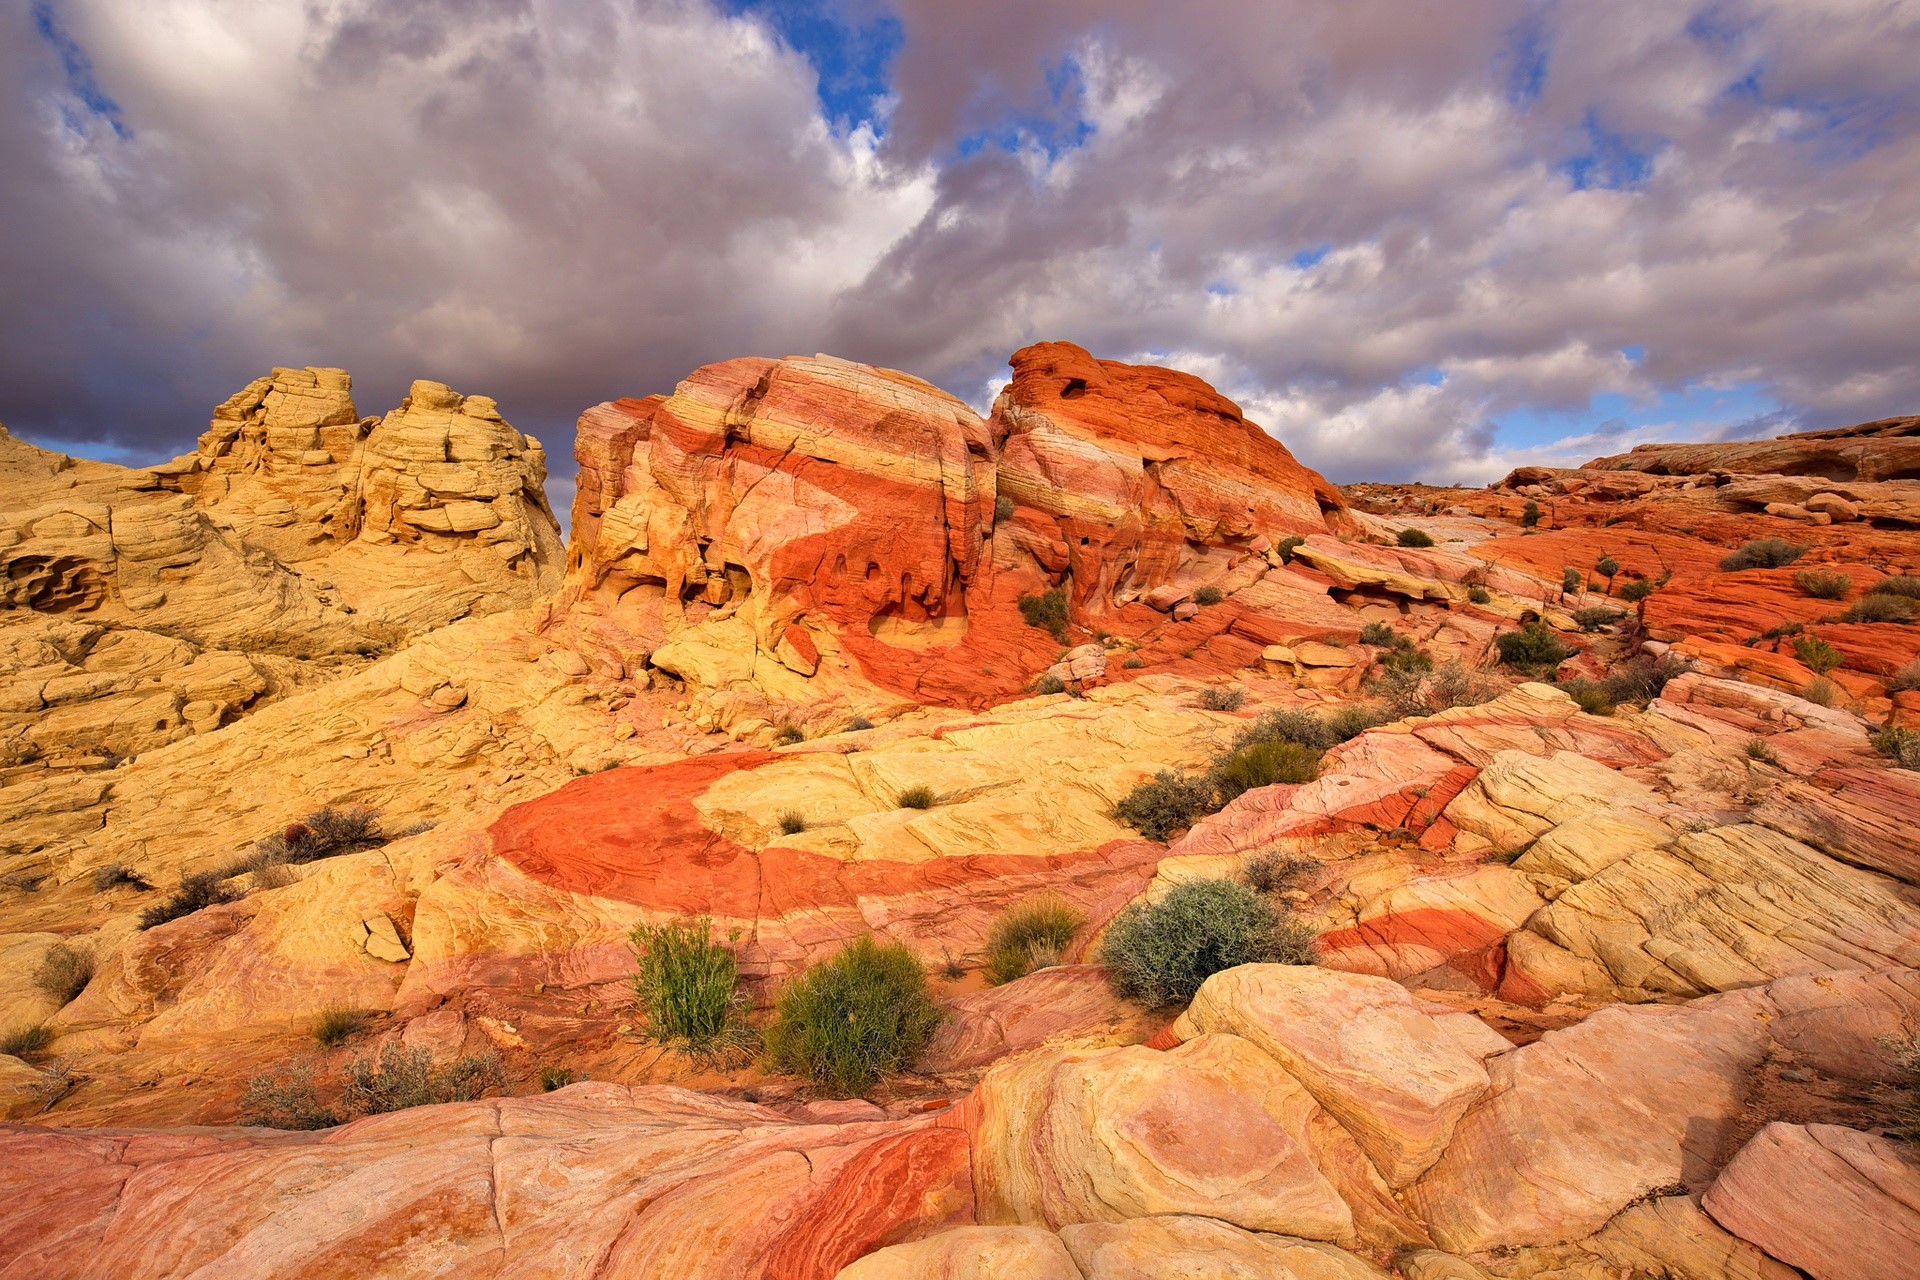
{"x": 794, "y": 536}
{"x": 1888, "y": 449}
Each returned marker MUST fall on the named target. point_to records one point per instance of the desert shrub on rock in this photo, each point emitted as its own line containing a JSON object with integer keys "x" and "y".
{"x": 64, "y": 972}
{"x": 1590, "y": 695}
{"x": 400, "y": 1078}
{"x": 1222, "y": 698}
{"x": 1906, "y": 679}
{"x": 1209, "y": 596}
{"x": 1901, "y": 584}
{"x": 1262, "y": 764}
{"x": 1637, "y": 590}
{"x": 792, "y": 822}
{"x": 24, "y": 1040}
{"x": 1047, "y": 682}
{"x": 197, "y": 891}
{"x": 1902, "y": 746}
{"x": 857, "y": 724}
{"x": 336, "y": 1023}
{"x": 1534, "y": 649}
{"x": 1821, "y": 692}
{"x": 1881, "y": 607}
{"x": 1762, "y": 553}
{"x": 1569, "y": 579}
{"x": 686, "y": 986}
{"x": 1822, "y": 584}
{"x": 1816, "y": 654}
{"x": 1047, "y": 611}
{"x": 115, "y": 874}
{"x": 918, "y": 796}
{"x": 1159, "y": 953}
{"x": 1479, "y": 595}
{"x": 1639, "y": 681}
{"x": 1378, "y": 634}
{"x": 849, "y": 1020}
{"x": 1530, "y": 514}
{"x": 1030, "y": 935}
{"x": 1411, "y": 537}
{"x": 1002, "y": 508}
{"x": 286, "y": 1099}
{"x": 553, "y": 1076}
{"x": 1271, "y": 871}
{"x": 1594, "y": 617}
{"x": 1164, "y": 804}
{"x": 1287, "y": 546}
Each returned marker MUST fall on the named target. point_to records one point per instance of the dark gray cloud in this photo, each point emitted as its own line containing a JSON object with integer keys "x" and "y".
{"x": 1380, "y": 225}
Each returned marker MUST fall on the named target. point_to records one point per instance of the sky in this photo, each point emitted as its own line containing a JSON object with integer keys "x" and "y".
{"x": 1416, "y": 239}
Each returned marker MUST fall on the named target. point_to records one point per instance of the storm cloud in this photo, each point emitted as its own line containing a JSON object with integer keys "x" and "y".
{"x": 1413, "y": 239}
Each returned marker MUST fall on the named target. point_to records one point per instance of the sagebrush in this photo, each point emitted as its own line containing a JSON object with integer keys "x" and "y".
{"x": 1160, "y": 952}
{"x": 852, "y": 1019}
{"x": 1028, "y": 936}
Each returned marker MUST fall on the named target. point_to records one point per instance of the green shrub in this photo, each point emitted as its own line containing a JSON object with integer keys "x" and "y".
{"x": 198, "y": 891}
{"x": 1134, "y": 662}
{"x": 1881, "y": 608}
{"x": 787, "y": 735}
{"x": 1904, "y": 585}
{"x": 686, "y": 986}
{"x": 1758, "y": 750}
{"x": 1271, "y": 872}
{"x": 1454, "y": 684}
{"x": 1569, "y": 579}
{"x": 64, "y": 972}
{"x": 1816, "y": 654}
{"x": 1906, "y": 679}
{"x": 850, "y": 1020}
{"x": 1902, "y": 746}
{"x": 333, "y": 1024}
{"x": 1047, "y": 682}
{"x": 1534, "y": 649}
{"x": 1223, "y": 698}
{"x": 1287, "y": 546}
{"x": 1002, "y": 508}
{"x": 1209, "y": 595}
{"x": 115, "y": 874}
{"x": 1479, "y": 595}
{"x": 1821, "y": 691}
{"x": 1262, "y": 764}
{"x": 1594, "y": 617}
{"x": 1762, "y": 553}
{"x": 1635, "y": 591}
{"x": 1822, "y": 585}
{"x": 918, "y": 796}
{"x": 1607, "y": 567}
{"x": 1379, "y": 635}
{"x": 1404, "y": 657}
{"x": 792, "y": 823}
{"x": 1643, "y": 679}
{"x": 554, "y": 1077}
{"x": 1530, "y": 514}
{"x": 401, "y": 1078}
{"x": 1159, "y": 953}
{"x": 1164, "y": 804}
{"x": 1411, "y": 537}
{"x": 24, "y": 1040}
{"x": 1047, "y": 611}
{"x": 1030, "y": 935}
{"x": 1590, "y": 695}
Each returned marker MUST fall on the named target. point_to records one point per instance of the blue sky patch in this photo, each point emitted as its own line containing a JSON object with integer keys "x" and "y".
{"x": 1694, "y": 412}
{"x": 79, "y": 68}
{"x": 850, "y": 44}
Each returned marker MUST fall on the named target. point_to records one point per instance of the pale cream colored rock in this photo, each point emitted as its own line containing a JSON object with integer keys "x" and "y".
{"x": 1311, "y": 653}
{"x": 971, "y": 1253}
{"x": 383, "y": 941}
{"x": 1672, "y": 1236}
{"x": 1363, "y": 1049}
{"x": 1518, "y": 797}
{"x": 1158, "y": 1248}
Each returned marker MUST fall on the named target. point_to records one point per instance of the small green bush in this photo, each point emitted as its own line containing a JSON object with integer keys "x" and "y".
{"x": 1165, "y": 803}
{"x": 1759, "y": 751}
{"x": 1816, "y": 654}
{"x": 1047, "y": 611}
{"x": 1028, "y": 936}
{"x": 787, "y": 735}
{"x": 1271, "y": 872}
{"x": 1591, "y": 696}
{"x": 1904, "y": 585}
{"x": 1134, "y": 663}
{"x": 1906, "y": 679}
{"x": 1454, "y": 684}
{"x": 1047, "y": 682}
{"x": 1209, "y": 595}
{"x": 1762, "y": 553}
{"x": 1287, "y": 546}
{"x": 115, "y": 874}
{"x": 1159, "y": 953}
{"x": 1607, "y": 567}
{"x": 1411, "y": 537}
{"x": 1379, "y": 635}
{"x": 1404, "y": 657}
{"x": 1533, "y": 649}
{"x": 792, "y": 823}
{"x": 686, "y": 985}
{"x": 1530, "y": 514}
{"x": 1822, "y": 585}
{"x": 1002, "y": 508}
{"x": 1569, "y": 579}
{"x": 1881, "y": 608}
{"x": 850, "y": 1020}
{"x": 24, "y": 1040}
{"x": 1594, "y": 617}
{"x": 554, "y": 1077}
{"x": 1643, "y": 679}
{"x": 286, "y": 1099}
{"x": 335, "y": 1023}
{"x": 1262, "y": 765}
{"x": 1479, "y": 595}
{"x": 918, "y": 796}
{"x": 1902, "y": 746}
{"x": 198, "y": 891}
{"x": 64, "y": 972}
{"x": 1222, "y": 698}
{"x": 1635, "y": 591}
{"x": 1821, "y": 692}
